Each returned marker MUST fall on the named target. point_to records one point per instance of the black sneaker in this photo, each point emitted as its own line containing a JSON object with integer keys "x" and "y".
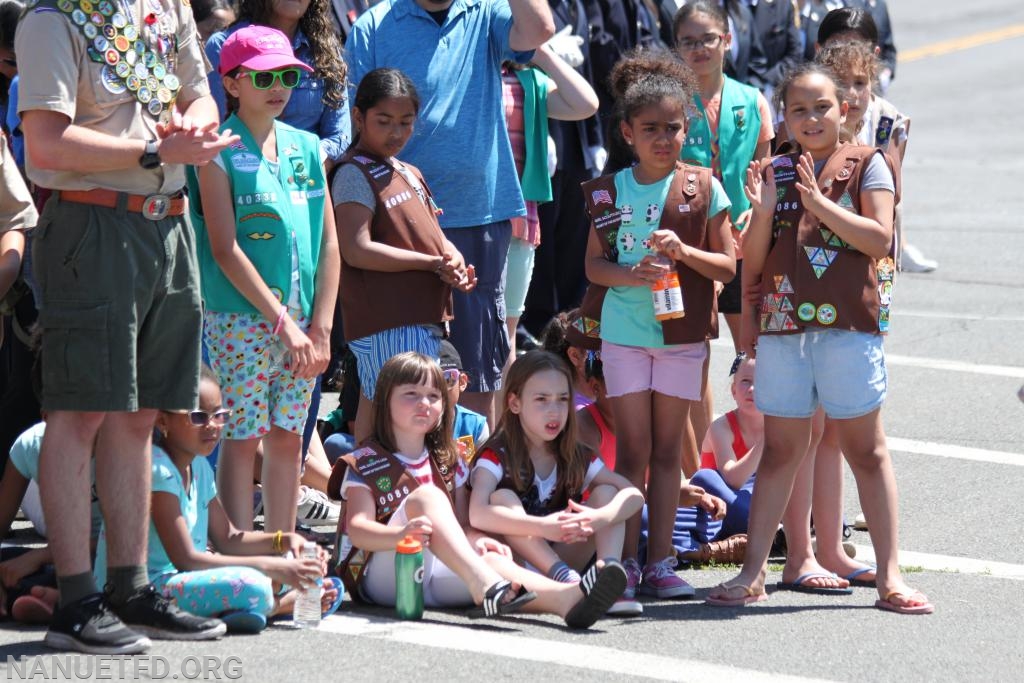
{"x": 157, "y": 617}
{"x": 90, "y": 626}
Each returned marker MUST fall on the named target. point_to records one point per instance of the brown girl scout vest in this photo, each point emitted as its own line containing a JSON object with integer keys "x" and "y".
{"x": 811, "y": 277}
{"x": 390, "y": 483}
{"x": 685, "y": 213}
{"x": 373, "y": 301}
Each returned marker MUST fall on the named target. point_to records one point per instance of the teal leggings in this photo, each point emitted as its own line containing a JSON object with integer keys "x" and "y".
{"x": 212, "y": 592}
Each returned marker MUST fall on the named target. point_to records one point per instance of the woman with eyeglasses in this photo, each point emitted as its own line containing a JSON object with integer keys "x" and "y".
{"x": 318, "y": 102}
{"x": 241, "y": 582}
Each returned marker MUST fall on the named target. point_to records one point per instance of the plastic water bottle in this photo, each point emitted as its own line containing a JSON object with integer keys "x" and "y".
{"x": 307, "y": 603}
{"x": 409, "y": 579}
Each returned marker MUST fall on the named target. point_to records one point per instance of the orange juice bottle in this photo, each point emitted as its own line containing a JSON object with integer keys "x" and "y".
{"x": 667, "y": 294}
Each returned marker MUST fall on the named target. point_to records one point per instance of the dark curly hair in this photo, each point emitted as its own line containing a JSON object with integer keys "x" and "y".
{"x": 323, "y": 42}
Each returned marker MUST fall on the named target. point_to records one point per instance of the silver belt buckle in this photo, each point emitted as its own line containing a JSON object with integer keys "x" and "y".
{"x": 156, "y": 206}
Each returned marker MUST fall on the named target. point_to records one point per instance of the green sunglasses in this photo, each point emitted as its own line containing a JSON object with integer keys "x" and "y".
{"x": 264, "y": 80}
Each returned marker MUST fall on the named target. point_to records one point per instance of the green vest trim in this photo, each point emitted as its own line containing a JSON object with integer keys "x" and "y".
{"x": 739, "y": 123}
{"x": 269, "y": 209}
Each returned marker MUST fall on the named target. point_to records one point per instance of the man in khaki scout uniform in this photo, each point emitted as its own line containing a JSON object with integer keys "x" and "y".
{"x": 114, "y": 101}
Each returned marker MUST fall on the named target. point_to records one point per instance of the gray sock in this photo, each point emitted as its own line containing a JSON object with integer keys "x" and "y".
{"x": 124, "y": 581}
{"x": 563, "y": 573}
{"x": 75, "y": 587}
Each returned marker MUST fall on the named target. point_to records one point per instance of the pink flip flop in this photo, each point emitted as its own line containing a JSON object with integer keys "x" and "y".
{"x": 748, "y": 599}
{"x": 924, "y": 607}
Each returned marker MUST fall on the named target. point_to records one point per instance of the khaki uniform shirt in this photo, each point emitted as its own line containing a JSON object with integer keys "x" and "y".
{"x": 17, "y": 212}
{"x": 56, "y": 74}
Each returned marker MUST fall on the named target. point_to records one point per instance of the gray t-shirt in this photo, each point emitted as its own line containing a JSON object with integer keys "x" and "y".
{"x": 877, "y": 175}
{"x": 351, "y": 186}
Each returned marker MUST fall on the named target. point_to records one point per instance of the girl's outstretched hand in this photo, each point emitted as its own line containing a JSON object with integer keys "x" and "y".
{"x": 760, "y": 190}
{"x": 810, "y": 193}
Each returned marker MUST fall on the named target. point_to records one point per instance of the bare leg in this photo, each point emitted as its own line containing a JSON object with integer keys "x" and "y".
{"x": 663, "y": 484}
{"x": 633, "y": 452}
{"x": 123, "y": 471}
{"x": 786, "y": 444}
{"x": 732, "y": 320}
{"x": 828, "y": 506}
{"x": 862, "y": 440}
{"x": 701, "y": 417}
{"x": 318, "y": 469}
{"x": 534, "y": 549}
{"x": 281, "y": 463}
{"x": 796, "y": 520}
{"x": 64, "y": 486}
{"x": 448, "y": 540}
{"x": 607, "y": 541}
{"x": 234, "y": 480}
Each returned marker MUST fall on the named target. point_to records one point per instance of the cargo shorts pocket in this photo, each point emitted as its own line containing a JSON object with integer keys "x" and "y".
{"x": 76, "y": 347}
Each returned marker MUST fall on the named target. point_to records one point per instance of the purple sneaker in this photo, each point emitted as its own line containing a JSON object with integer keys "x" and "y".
{"x": 632, "y": 568}
{"x": 661, "y": 581}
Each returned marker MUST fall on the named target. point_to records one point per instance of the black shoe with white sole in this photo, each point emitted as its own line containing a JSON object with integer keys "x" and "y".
{"x": 152, "y": 614}
{"x": 601, "y": 588}
{"x": 88, "y": 625}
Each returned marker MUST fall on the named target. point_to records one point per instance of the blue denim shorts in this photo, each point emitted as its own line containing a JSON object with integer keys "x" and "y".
{"x": 841, "y": 370}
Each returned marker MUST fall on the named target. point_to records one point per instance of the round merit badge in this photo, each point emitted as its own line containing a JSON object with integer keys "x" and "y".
{"x": 806, "y": 311}
{"x": 122, "y": 69}
{"x": 826, "y": 314}
{"x": 90, "y": 31}
{"x": 155, "y": 107}
{"x": 109, "y": 32}
{"x": 111, "y": 81}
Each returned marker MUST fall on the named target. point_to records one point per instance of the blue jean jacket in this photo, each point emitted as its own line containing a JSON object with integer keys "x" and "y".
{"x": 305, "y": 109}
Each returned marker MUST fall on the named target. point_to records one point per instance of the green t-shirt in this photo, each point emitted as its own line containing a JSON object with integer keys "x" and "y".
{"x": 627, "y": 317}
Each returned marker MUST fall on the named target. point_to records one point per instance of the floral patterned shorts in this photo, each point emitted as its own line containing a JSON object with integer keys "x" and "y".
{"x": 254, "y": 369}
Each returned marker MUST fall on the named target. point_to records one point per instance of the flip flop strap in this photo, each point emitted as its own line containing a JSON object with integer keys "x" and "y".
{"x": 493, "y": 598}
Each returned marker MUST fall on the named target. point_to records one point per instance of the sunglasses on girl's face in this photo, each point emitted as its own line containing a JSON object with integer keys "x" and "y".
{"x": 451, "y": 377}
{"x": 264, "y": 80}
{"x": 201, "y": 418}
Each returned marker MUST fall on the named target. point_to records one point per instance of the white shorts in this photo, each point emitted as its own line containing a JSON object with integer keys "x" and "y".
{"x": 441, "y": 586}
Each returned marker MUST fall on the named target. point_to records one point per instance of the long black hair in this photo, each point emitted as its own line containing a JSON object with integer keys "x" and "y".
{"x": 380, "y": 84}
{"x": 848, "y": 20}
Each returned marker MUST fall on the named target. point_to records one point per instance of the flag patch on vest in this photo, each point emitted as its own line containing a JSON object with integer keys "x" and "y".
{"x": 820, "y": 259}
{"x": 602, "y": 197}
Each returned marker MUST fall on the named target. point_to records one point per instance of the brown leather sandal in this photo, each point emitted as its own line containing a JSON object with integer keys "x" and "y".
{"x": 727, "y": 551}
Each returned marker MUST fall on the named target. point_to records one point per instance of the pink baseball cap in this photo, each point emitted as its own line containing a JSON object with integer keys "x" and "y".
{"x": 258, "y": 48}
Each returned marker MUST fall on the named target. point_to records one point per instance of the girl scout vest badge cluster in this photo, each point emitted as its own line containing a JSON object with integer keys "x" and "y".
{"x": 136, "y": 59}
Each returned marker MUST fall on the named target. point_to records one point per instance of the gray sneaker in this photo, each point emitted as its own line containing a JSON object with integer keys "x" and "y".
{"x": 88, "y": 625}
{"x": 154, "y": 615}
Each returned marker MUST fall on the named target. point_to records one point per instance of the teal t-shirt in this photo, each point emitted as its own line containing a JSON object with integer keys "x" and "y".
{"x": 194, "y": 508}
{"x": 25, "y": 458}
{"x": 627, "y": 317}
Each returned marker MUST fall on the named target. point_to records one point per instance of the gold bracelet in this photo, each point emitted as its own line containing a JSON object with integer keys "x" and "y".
{"x": 278, "y": 538}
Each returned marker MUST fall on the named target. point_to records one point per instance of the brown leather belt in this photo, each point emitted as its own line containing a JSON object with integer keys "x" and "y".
{"x": 154, "y": 206}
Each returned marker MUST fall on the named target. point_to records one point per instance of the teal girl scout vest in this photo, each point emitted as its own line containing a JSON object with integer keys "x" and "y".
{"x": 739, "y": 122}
{"x": 269, "y": 209}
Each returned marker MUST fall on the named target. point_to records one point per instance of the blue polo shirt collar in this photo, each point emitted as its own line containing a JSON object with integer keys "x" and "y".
{"x": 401, "y": 8}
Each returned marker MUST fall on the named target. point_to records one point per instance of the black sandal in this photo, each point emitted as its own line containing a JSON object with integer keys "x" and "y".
{"x": 601, "y": 588}
{"x": 496, "y": 605}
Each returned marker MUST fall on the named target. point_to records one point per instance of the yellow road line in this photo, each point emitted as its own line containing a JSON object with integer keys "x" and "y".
{"x": 961, "y": 43}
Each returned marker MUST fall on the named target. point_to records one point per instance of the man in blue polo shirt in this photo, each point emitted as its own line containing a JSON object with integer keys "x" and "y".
{"x": 453, "y": 50}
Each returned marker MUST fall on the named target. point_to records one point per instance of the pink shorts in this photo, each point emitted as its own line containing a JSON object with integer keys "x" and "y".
{"x": 676, "y": 370}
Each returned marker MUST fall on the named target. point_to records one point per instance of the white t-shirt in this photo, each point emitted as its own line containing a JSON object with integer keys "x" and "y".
{"x": 490, "y": 461}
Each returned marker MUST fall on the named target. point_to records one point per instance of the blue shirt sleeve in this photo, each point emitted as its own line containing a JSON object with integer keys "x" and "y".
{"x": 213, "y": 48}
{"x": 335, "y": 131}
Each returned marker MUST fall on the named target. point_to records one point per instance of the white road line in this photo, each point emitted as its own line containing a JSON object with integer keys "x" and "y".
{"x": 944, "y": 450}
{"x": 1012, "y": 371}
{"x": 949, "y": 315}
{"x": 949, "y": 563}
{"x": 585, "y": 657}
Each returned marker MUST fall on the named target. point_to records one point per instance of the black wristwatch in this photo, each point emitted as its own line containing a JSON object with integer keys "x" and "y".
{"x": 151, "y": 157}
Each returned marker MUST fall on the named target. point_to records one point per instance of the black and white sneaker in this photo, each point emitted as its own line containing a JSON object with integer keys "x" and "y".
{"x": 157, "y": 617}
{"x": 90, "y": 626}
{"x": 316, "y": 509}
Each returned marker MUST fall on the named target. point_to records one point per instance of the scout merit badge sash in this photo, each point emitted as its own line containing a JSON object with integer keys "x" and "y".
{"x": 390, "y": 483}
{"x": 134, "y": 59}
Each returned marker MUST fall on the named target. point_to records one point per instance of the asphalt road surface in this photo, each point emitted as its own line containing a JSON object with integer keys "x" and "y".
{"x": 956, "y": 362}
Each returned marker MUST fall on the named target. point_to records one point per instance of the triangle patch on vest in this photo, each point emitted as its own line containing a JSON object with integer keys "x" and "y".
{"x": 846, "y": 201}
{"x": 765, "y": 319}
{"x": 832, "y": 239}
{"x": 785, "y": 306}
{"x": 820, "y": 259}
{"x": 789, "y": 324}
{"x": 783, "y": 286}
